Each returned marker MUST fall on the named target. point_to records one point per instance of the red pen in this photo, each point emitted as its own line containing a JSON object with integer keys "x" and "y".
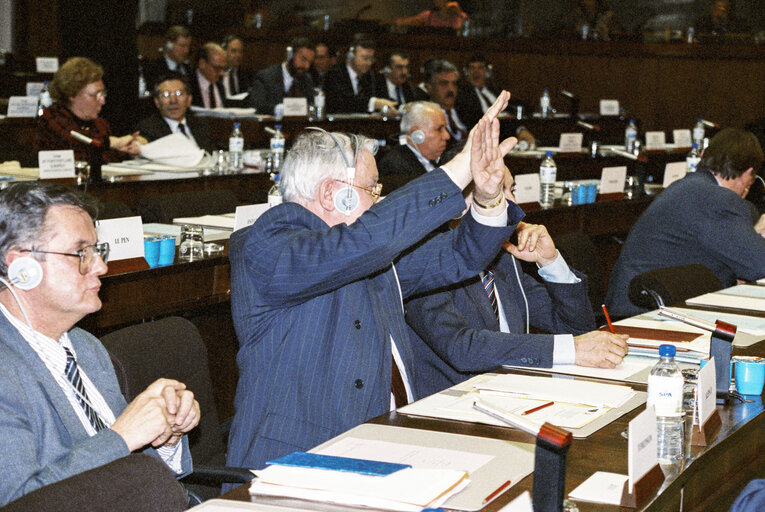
{"x": 537, "y": 408}
{"x": 608, "y": 319}
{"x": 497, "y": 492}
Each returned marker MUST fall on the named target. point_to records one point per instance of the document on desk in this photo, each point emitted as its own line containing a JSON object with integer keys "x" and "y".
{"x": 646, "y": 335}
{"x": 601, "y": 487}
{"x": 175, "y": 149}
{"x": 724, "y": 299}
{"x": 484, "y": 459}
{"x": 631, "y": 369}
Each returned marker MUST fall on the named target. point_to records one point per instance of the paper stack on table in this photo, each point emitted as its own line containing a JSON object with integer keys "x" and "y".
{"x": 174, "y": 149}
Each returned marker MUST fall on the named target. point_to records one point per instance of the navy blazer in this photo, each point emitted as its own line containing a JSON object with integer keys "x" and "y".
{"x": 267, "y": 89}
{"x": 315, "y": 308}
{"x": 456, "y": 333}
{"x": 381, "y": 90}
{"x": 694, "y": 221}
{"x": 400, "y": 160}
{"x": 468, "y": 106}
{"x": 196, "y": 91}
{"x": 339, "y": 90}
{"x": 155, "y": 127}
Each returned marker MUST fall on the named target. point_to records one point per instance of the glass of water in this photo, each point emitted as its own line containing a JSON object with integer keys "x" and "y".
{"x": 192, "y": 243}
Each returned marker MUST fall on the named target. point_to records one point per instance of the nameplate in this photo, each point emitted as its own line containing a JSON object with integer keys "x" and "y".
{"x": 125, "y": 237}
{"x": 570, "y": 143}
{"x": 22, "y": 106}
{"x": 527, "y": 188}
{"x": 706, "y": 392}
{"x": 612, "y": 179}
{"x": 655, "y": 140}
{"x": 641, "y": 452}
{"x": 248, "y": 214}
{"x": 46, "y": 64}
{"x": 56, "y": 164}
{"x": 682, "y": 138}
{"x": 673, "y": 171}
{"x": 295, "y": 107}
{"x": 34, "y": 88}
{"x": 609, "y": 107}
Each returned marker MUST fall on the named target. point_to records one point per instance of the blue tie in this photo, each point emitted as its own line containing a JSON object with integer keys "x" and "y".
{"x": 488, "y": 286}
{"x": 73, "y": 374}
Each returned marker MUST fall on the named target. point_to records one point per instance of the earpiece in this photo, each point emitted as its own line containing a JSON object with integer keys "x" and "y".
{"x": 489, "y": 69}
{"x": 351, "y": 53}
{"x": 418, "y": 136}
{"x": 347, "y": 198}
{"x": 169, "y": 46}
{"x": 290, "y": 53}
{"x": 25, "y": 273}
{"x": 386, "y": 70}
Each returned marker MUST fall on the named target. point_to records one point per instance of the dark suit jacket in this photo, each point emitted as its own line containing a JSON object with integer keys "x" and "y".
{"x": 456, "y": 333}
{"x": 155, "y": 127}
{"x": 400, "y": 160}
{"x": 381, "y": 90}
{"x": 156, "y": 69}
{"x": 245, "y": 77}
{"x": 339, "y": 90}
{"x": 315, "y": 308}
{"x": 468, "y": 106}
{"x": 196, "y": 91}
{"x": 267, "y": 89}
{"x": 693, "y": 221}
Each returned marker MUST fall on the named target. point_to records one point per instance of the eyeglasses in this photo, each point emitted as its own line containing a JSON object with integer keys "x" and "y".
{"x": 98, "y": 94}
{"x": 166, "y": 95}
{"x": 375, "y": 192}
{"x": 87, "y": 254}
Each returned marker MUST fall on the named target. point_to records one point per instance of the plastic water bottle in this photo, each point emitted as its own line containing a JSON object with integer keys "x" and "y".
{"x": 274, "y": 194}
{"x": 630, "y": 136}
{"x": 698, "y": 134}
{"x": 544, "y": 104}
{"x": 318, "y": 102}
{"x": 665, "y": 393}
{"x": 548, "y": 172}
{"x": 692, "y": 160}
{"x": 236, "y": 148}
{"x": 43, "y": 100}
{"x": 277, "y": 147}
{"x": 143, "y": 89}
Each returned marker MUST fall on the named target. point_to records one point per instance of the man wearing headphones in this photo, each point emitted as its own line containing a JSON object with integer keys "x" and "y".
{"x": 61, "y": 410}
{"x": 289, "y": 79}
{"x": 175, "y": 55}
{"x": 237, "y": 79}
{"x": 350, "y": 86}
{"x": 424, "y": 125}
{"x": 317, "y": 284}
{"x": 393, "y": 81}
{"x": 206, "y": 88}
{"x": 483, "y": 322}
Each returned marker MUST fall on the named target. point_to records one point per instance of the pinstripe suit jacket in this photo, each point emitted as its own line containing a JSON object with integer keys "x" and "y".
{"x": 41, "y": 438}
{"x": 315, "y": 307}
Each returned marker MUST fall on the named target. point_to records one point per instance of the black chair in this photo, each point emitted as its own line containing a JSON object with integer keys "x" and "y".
{"x": 672, "y": 285}
{"x": 172, "y": 348}
{"x": 113, "y": 210}
{"x": 580, "y": 253}
{"x": 136, "y": 483}
{"x": 192, "y": 203}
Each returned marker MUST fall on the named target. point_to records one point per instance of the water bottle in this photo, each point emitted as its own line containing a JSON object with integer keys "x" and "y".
{"x": 548, "y": 171}
{"x": 630, "y": 136}
{"x": 43, "y": 100}
{"x": 544, "y": 104}
{"x": 665, "y": 393}
{"x": 274, "y": 194}
{"x": 277, "y": 147}
{"x": 698, "y": 134}
{"x": 236, "y": 148}
{"x": 692, "y": 160}
{"x": 318, "y": 102}
{"x": 143, "y": 89}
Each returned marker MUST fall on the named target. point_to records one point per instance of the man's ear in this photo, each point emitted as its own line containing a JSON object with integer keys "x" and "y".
{"x": 325, "y": 195}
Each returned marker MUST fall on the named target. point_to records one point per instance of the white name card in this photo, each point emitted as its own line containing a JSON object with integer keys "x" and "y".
{"x": 34, "y": 88}
{"x": 612, "y": 179}
{"x": 125, "y": 237}
{"x": 22, "y": 106}
{"x": 56, "y": 164}
{"x": 248, "y": 214}
{"x": 673, "y": 171}
{"x": 295, "y": 107}
{"x": 46, "y": 64}
{"x": 570, "y": 143}
{"x": 706, "y": 394}
{"x": 682, "y": 138}
{"x": 641, "y": 453}
{"x": 520, "y": 504}
{"x": 527, "y": 188}
{"x": 609, "y": 107}
{"x": 655, "y": 140}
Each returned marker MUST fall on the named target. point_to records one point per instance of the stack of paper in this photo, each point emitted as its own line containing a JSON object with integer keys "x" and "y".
{"x": 646, "y": 335}
{"x": 739, "y": 297}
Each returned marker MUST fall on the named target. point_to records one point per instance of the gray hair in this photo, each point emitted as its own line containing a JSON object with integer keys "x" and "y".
{"x": 436, "y": 67}
{"x": 416, "y": 113}
{"x": 23, "y": 209}
{"x": 315, "y": 157}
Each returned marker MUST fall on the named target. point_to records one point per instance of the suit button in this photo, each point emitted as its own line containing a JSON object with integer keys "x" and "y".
{"x": 359, "y": 383}
{"x": 443, "y": 195}
{"x": 523, "y": 360}
{"x": 357, "y": 324}
{"x": 432, "y": 202}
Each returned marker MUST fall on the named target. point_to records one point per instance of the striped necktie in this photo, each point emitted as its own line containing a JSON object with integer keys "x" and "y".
{"x": 73, "y": 374}
{"x": 488, "y": 286}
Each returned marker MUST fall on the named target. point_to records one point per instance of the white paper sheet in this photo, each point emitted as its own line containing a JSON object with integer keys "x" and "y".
{"x": 728, "y": 301}
{"x": 174, "y": 149}
{"x": 601, "y": 487}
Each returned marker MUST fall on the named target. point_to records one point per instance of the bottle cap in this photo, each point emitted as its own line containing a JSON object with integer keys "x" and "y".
{"x": 549, "y": 154}
{"x": 667, "y": 350}
{"x": 237, "y": 124}
{"x": 277, "y": 126}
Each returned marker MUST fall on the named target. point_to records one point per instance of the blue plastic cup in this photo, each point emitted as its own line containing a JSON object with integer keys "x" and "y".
{"x": 592, "y": 192}
{"x": 151, "y": 251}
{"x": 580, "y": 194}
{"x": 166, "y": 250}
{"x": 750, "y": 375}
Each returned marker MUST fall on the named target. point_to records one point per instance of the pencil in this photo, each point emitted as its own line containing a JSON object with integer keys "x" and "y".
{"x": 608, "y": 319}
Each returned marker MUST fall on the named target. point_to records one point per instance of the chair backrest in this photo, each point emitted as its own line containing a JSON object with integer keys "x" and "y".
{"x": 113, "y": 210}
{"x": 191, "y": 203}
{"x": 580, "y": 253}
{"x": 171, "y": 348}
{"x": 672, "y": 285}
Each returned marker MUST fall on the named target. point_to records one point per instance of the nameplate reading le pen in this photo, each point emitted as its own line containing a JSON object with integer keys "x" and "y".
{"x": 329, "y": 462}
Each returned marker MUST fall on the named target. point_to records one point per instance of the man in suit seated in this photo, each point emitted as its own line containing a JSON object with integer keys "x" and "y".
{"x": 476, "y": 96}
{"x": 289, "y": 79}
{"x": 173, "y": 99}
{"x": 424, "y": 125}
{"x": 441, "y": 83}
{"x": 61, "y": 409}
{"x": 206, "y": 87}
{"x": 393, "y": 81}
{"x": 237, "y": 79}
{"x": 325, "y": 59}
{"x": 317, "y": 284}
{"x": 484, "y": 322}
{"x": 175, "y": 55}
{"x": 702, "y": 218}
{"x": 350, "y": 86}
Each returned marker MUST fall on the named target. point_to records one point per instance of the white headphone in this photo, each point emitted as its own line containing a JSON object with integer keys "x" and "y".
{"x": 351, "y": 53}
{"x": 25, "y": 273}
{"x": 346, "y": 199}
{"x": 418, "y": 136}
{"x": 290, "y": 53}
{"x": 169, "y": 46}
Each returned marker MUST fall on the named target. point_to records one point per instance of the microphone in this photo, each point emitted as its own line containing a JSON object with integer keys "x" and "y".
{"x": 710, "y": 124}
{"x": 574, "y": 99}
{"x": 85, "y": 139}
{"x": 588, "y": 126}
{"x": 269, "y": 130}
{"x": 626, "y": 154}
{"x": 568, "y": 94}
